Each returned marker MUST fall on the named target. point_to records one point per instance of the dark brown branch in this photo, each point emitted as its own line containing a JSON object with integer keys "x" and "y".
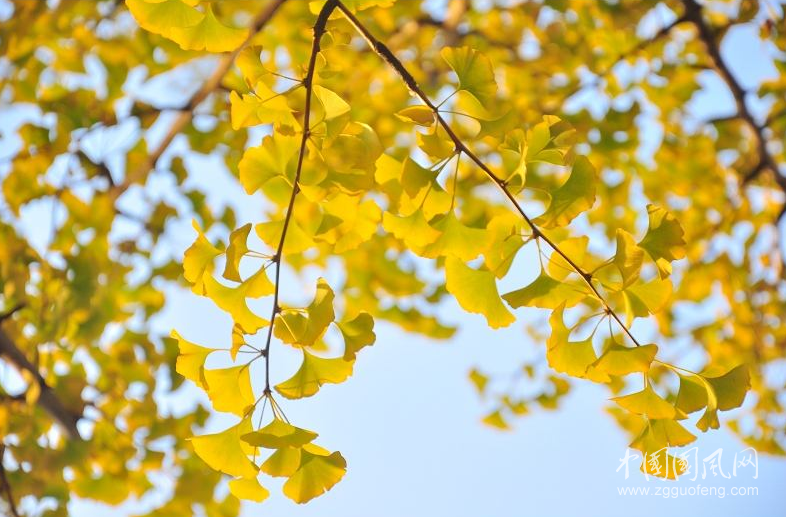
{"x": 5, "y": 486}
{"x": 308, "y": 80}
{"x": 187, "y": 112}
{"x": 388, "y": 56}
{"x": 47, "y": 398}
{"x": 694, "y": 14}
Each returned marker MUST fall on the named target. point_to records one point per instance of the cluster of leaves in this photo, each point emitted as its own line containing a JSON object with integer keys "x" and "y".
{"x": 355, "y": 171}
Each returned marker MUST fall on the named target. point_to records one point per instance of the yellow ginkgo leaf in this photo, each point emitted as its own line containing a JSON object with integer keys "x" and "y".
{"x": 274, "y": 157}
{"x": 264, "y": 106}
{"x": 297, "y": 240}
{"x": 316, "y": 475}
{"x": 304, "y": 328}
{"x": 628, "y": 258}
{"x": 455, "y": 239}
{"x": 198, "y": 260}
{"x": 420, "y": 115}
{"x": 622, "y": 360}
{"x": 663, "y": 465}
{"x": 412, "y": 229}
{"x": 229, "y": 389}
{"x": 658, "y": 434}
{"x": 664, "y": 239}
{"x": 547, "y": 293}
{"x": 476, "y": 291}
{"x": 282, "y": 463}
{"x": 209, "y": 34}
{"x": 164, "y": 17}
{"x": 313, "y": 373}
{"x": 575, "y": 358}
{"x": 233, "y": 299}
{"x": 358, "y": 333}
{"x": 191, "y": 359}
{"x": 333, "y": 105}
{"x": 224, "y": 451}
{"x": 237, "y": 248}
{"x": 279, "y": 434}
{"x": 248, "y": 489}
{"x": 647, "y": 402}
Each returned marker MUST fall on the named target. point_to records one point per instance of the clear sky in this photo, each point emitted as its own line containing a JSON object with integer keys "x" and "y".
{"x": 408, "y": 420}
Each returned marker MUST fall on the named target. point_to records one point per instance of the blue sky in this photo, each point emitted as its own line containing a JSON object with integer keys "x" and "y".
{"x": 408, "y": 419}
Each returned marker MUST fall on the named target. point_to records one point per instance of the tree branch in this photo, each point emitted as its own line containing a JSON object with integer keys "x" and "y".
{"x": 47, "y": 398}
{"x": 319, "y": 30}
{"x": 187, "y": 112}
{"x": 5, "y": 486}
{"x": 386, "y": 55}
{"x": 694, "y": 14}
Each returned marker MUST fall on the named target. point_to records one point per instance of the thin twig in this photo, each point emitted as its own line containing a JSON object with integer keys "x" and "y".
{"x": 380, "y": 49}
{"x": 319, "y": 30}
{"x": 187, "y": 112}
{"x": 6, "y": 486}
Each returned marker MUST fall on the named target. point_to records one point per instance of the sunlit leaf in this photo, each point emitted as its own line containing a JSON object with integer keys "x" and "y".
{"x": 476, "y": 291}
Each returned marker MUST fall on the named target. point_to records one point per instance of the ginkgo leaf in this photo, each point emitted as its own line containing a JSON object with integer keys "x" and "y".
{"x": 546, "y": 293}
{"x": 455, "y": 239}
{"x": 316, "y": 474}
{"x": 622, "y": 360}
{"x": 476, "y": 291}
{"x": 413, "y": 229}
{"x": 575, "y": 196}
{"x": 209, "y": 34}
{"x": 420, "y": 115}
{"x": 574, "y": 358}
{"x": 664, "y": 239}
{"x": 415, "y": 178}
{"x": 643, "y": 299}
{"x": 282, "y": 463}
{"x": 331, "y": 102}
{"x": 479, "y": 380}
{"x": 663, "y": 465}
{"x": 229, "y": 389}
{"x": 647, "y": 402}
{"x": 163, "y": 17}
{"x": 313, "y": 373}
{"x": 358, "y": 333}
{"x": 436, "y": 143}
{"x": 306, "y": 327}
{"x": 297, "y": 240}
{"x": 264, "y": 106}
{"x": 278, "y": 434}
{"x": 496, "y": 420}
{"x": 549, "y": 141}
{"x": 224, "y": 451}
{"x": 248, "y": 489}
{"x": 191, "y": 359}
{"x": 233, "y": 299}
{"x": 237, "y": 248}
{"x": 274, "y": 157}
{"x": 718, "y": 393}
{"x": 198, "y": 260}
{"x": 250, "y": 66}
{"x": 658, "y": 434}
{"x": 474, "y": 71}
{"x": 628, "y": 257}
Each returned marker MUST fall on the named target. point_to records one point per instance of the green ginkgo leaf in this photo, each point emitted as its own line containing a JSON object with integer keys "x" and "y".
{"x": 664, "y": 239}
{"x": 305, "y": 327}
{"x": 315, "y": 371}
{"x": 474, "y": 71}
{"x": 317, "y": 474}
{"x": 229, "y": 389}
{"x": 279, "y": 434}
{"x": 476, "y": 291}
{"x": 224, "y": 451}
{"x": 358, "y": 333}
{"x": 248, "y": 489}
{"x": 575, "y": 196}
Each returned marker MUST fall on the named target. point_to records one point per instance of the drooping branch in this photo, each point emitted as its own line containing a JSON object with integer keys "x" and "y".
{"x": 47, "y": 398}
{"x": 308, "y": 80}
{"x": 186, "y": 113}
{"x": 707, "y": 35}
{"x": 384, "y": 52}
